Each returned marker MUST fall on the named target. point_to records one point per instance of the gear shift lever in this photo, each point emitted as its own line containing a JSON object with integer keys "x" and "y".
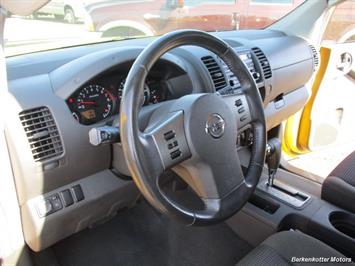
{"x": 273, "y": 157}
{"x": 280, "y": 190}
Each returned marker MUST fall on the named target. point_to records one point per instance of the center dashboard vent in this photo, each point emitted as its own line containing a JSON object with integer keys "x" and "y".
{"x": 315, "y": 56}
{"x": 215, "y": 71}
{"x": 263, "y": 62}
{"x": 42, "y": 133}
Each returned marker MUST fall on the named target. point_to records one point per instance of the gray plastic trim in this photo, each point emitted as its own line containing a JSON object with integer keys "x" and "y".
{"x": 104, "y": 195}
{"x": 80, "y": 158}
{"x": 293, "y": 102}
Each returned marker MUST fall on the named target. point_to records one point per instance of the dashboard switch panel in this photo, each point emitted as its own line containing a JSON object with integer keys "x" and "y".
{"x": 55, "y": 202}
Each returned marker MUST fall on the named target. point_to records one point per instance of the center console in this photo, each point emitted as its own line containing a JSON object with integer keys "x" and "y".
{"x": 335, "y": 227}
{"x": 291, "y": 202}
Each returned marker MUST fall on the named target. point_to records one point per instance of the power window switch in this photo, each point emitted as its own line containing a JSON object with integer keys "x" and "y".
{"x": 78, "y": 192}
{"x": 67, "y": 197}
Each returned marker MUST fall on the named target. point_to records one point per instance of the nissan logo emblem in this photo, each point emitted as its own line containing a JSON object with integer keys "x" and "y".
{"x": 215, "y": 126}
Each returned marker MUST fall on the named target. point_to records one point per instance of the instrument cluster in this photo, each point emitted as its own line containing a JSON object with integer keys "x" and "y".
{"x": 101, "y": 98}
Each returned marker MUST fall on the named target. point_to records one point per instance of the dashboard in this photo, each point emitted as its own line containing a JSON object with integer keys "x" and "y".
{"x": 56, "y": 97}
{"x": 99, "y": 99}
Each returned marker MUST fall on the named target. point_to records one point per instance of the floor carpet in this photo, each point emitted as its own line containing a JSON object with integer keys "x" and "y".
{"x": 140, "y": 236}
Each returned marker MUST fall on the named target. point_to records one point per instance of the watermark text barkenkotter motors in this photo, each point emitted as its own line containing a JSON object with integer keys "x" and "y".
{"x": 321, "y": 260}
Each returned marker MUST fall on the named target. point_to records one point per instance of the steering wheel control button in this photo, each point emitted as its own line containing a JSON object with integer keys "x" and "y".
{"x": 67, "y": 197}
{"x": 104, "y": 135}
{"x": 238, "y": 103}
{"x": 78, "y": 192}
{"x": 172, "y": 145}
{"x": 215, "y": 126}
{"x": 243, "y": 118}
{"x": 169, "y": 135}
{"x": 175, "y": 154}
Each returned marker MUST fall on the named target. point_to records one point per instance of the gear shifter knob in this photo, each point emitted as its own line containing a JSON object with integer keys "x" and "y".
{"x": 273, "y": 158}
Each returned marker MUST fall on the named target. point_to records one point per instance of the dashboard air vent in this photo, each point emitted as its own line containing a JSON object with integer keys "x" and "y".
{"x": 216, "y": 73}
{"x": 263, "y": 62}
{"x": 315, "y": 56}
{"x": 42, "y": 133}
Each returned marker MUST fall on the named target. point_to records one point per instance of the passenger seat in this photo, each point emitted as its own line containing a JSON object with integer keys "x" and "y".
{"x": 339, "y": 187}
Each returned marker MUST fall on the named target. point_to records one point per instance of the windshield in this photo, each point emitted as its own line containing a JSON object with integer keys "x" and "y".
{"x": 63, "y": 23}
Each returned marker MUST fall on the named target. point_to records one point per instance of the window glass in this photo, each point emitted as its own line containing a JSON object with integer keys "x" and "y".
{"x": 195, "y": 2}
{"x": 76, "y": 22}
{"x": 272, "y": 1}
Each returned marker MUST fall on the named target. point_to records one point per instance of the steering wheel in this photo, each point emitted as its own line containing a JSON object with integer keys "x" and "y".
{"x": 195, "y": 136}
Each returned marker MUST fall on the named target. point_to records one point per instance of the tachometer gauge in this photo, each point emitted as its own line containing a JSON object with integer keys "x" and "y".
{"x": 93, "y": 103}
{"x": 155, "y": 95}
{"x": 146, "y": 92}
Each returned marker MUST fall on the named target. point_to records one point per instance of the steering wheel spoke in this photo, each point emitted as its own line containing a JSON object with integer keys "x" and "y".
{"x": 212, "y": 179}
{"x": 166, "y": 136}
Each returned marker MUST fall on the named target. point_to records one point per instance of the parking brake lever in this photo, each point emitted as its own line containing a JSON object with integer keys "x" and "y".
{"x": 273, "y": 157}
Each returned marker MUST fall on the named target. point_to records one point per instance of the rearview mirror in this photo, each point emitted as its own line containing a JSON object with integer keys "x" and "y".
{"x": 22, "y": 7}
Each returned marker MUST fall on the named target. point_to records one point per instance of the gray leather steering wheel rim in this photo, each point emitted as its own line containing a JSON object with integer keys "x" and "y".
{"x": 145, "y": 152}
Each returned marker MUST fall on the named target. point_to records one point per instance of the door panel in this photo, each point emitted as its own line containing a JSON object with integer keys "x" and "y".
{"x": 325, "y": 131}
{"x": 333, "y": 112}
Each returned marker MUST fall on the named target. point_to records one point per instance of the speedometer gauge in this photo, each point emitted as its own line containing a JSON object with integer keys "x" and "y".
{"x": 93, "y": 103}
